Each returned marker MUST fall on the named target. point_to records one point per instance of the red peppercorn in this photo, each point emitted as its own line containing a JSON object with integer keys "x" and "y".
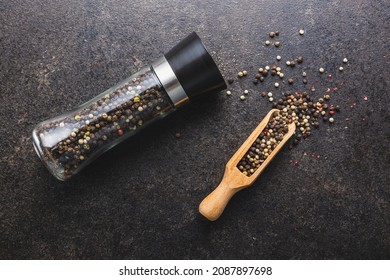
{"x": 120, "y": 131}
{"x": 331, "y": 112}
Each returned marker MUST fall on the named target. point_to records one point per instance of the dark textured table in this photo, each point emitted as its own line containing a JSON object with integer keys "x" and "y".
{"x": 140, "y": 200}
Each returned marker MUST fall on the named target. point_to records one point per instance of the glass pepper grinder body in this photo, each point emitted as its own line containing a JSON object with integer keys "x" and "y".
{"x": 69, "y": 142}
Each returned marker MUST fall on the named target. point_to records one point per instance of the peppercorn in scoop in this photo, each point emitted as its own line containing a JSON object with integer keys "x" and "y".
{"x": 263, "y": 146}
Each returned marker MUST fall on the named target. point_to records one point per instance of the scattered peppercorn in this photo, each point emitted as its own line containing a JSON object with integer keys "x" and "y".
{"x": 230, "y": 80}
{"x": 177, "y": 135}
{"x": 298, "y": 107}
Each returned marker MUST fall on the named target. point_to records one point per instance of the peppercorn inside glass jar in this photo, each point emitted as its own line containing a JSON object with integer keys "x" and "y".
{"x": 70, "y": 141}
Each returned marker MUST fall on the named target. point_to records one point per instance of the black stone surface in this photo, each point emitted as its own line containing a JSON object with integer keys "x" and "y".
{"x": 140, "y": 200}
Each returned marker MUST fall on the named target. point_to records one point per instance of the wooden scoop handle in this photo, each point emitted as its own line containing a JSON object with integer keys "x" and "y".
{"x": 213, "y": 205}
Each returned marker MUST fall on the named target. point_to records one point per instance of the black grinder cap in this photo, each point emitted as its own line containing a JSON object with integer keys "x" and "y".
{"x": 194, "y": 67}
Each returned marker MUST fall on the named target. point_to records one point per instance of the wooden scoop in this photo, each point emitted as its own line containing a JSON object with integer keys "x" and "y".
{"x": 234, "y": 180}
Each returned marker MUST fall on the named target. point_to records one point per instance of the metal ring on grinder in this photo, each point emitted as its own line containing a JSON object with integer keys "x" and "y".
{"x": 169, "y": 81}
